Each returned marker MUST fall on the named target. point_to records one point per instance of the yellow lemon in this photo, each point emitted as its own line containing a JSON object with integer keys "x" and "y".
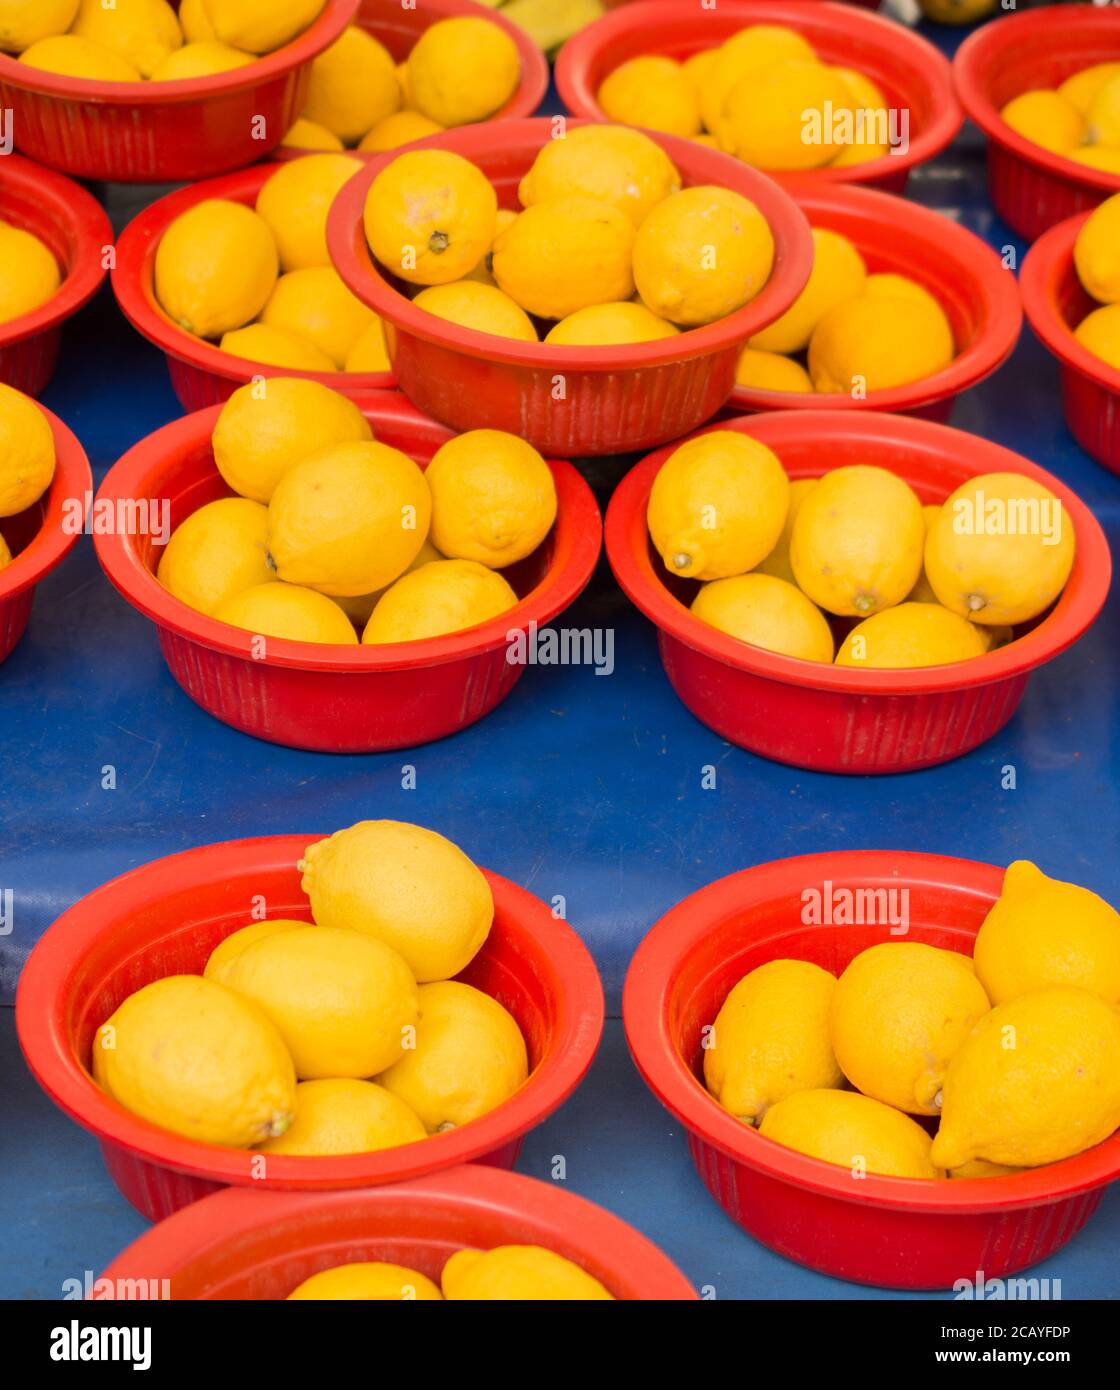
{"x": 306, "y": 135}
{"x": 838, "y": 273}
{"x": 1082, "y": 87}
{"x": 275, "y": 347}
{"x": 770, "y": 1038}
{"x": 194, "y": 1058}
{"x": 349, "y": 518}
{"x": 717, "y": 505}
{"x": 27, "y": 453}
{"x": 853, "y": 1131}
{"x": 228, "y": 949}
{"x": 981, "y": 1168}
{"x": 856, "y": 545}
{"x": 295, "y": 202}
{"x": 462, "y": 69}
{"x": 1037, "y": 1080}
{"x": 533, "y": 259}
{"x": 698, "y": 69}
{"x": 758, "y": 46}
{"x": 353, "y": 86}
{"x": 24, "y": 22}
{"x": 701, "y": 254}
{"x": 609, "y": 163}
{"x": 72, "y": 56}
{"x": 1097, "y": 157}
{"x": 518, "y": 1273}
{"x": 142, "y": 32}
{"x": 777, "y": 562}
{"x": 1096, "y": 252}
{"x": 368, "y": 1282}
{"x": 215, "y": 267}
{"x": 605, "y": 325}
{"x": 770, "y": 371}
{"x": 475, "y": 305}
{"x": 217, "y": 552}
{"x": 5, "y": 553}
{"x": 315, "y": 304}
{"x": 654, "y": 92}
{"x": 767, "y": 612}
{"x": 343, "y": 1115}
{"x": 876, "y": 341}
{"x": 1041, "y": 931}
{"x": 1098, "y": 331}
{"x": 29, "y": 273}
{"x": 493, "y": 498}
{"x": 886, "y": 285}
{"x": 405, "y": 885}
{"x": 368, "y": 352}
{"x": 911, "y": 634}
{"x": 444, "y": 596}
{"x": 199, "y": 60}
{"x": 779, "y": 117}
{"x": 287, "y": 611}
{"x": 260, "y": 26}
{"x": 550, "y": 23}
{"x": 1047, "y": 119}
{"x": 868, "y": 95}
{"x": 1102, "y": 120}
{"x": 194, "y": 23}
{"x": 401, "y": 128}
{"x": 922, "y": 592}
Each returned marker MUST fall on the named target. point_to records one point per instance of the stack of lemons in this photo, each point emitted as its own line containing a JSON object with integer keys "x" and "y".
{"x": 332, "y": 530}
{"x": 1080, "y": 119}
{"x": 341, "y": 1035}
{"x": 926, "y": 586}
{"x": 1096, "y": 256}
{"x": 29, "y": 273}
{"x": 1016, "y": 1050}
{"x": 27, "y": 457}
{"x": 763, "y": 95}
{"x": 460, "y": 71}
{"x": 606, "y": 249}
{"x": 505, "y": 1273}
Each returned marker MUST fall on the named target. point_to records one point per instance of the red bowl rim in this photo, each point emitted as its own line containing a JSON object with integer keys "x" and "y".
{"x": 990, "y": 281}
{"x": 1043, "y": 265}
{"x": 645, "y": 1014}
{"x": 989, "y": 43}
{"x": 72, "y": 483}
{"x": 793, "y": 260}
{"x": 871, "y": 29}
{"x": 230, "y": 1215}
{"x": 58, "y": 956}
{"x": 578, "y": 525}
{"x": 87, "y": 221}
{"x": 134, "y": 267}
{"x": 1077, "y": 607}
{"x": 319, "y": 35}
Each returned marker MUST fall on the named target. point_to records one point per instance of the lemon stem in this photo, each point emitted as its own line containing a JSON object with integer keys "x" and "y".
{"x": 976, "y": 602}
{"x": 438, "y": 242}
{"x": 863, "y": 603}
{"x": 445, "y": 1126}
{"x": 681, "y": 561}
{"x": 937, "y": 1100}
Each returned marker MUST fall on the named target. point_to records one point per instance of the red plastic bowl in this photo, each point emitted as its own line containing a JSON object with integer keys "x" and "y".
{"x": 837, "y": 718}
{"x": 617, "y": 398}
{"x": 164, "y": 132}
{"x": 329, "y": 698}
{"x": 912, "y": 74}
{"x": 901, "y": 1233}
{"x": 398, "y": 29}
{"x": 201, "y": 374}
{"x": 1056, "y": 303}
{"x": 980, "y": 298}
{"x": 41, "y": 537}
{"x": 166, "y": 917}
{"x": 1031, "y": 188}
{"x": 74, "y": 227}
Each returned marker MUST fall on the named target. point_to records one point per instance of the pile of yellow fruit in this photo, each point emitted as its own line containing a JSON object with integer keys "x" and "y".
{"x": 1096, "y": 257}
{"x": 505, "y": 1273}
{"x": 27, "y": 457}
{"x": 332, "y": 531}
{"x": 341, "y": 1035}
{"x": 29, "y": 273}
{"x": 137, "y": 40}
{"x": 460, "y": 70}
{"x": 603, "y": 215}
{"x": 1015, "y": 1051}
{"x": 752, "y": 97}
{"x": 1080, "y": 119}
{"x": 927, "y": 586}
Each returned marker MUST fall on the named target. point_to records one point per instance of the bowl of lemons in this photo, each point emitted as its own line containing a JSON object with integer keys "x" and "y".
{"x": 395, "y": 1011}
{"x": 851, "y": 591}
{"x": 141, "y": 91}
{"x": 471, "y": 1232}
{"x": 895, "y": 1068}
{"x": 1071, "y": 293}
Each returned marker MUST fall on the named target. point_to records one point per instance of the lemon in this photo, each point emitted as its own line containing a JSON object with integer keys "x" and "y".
{"x": 868, "y": 95}
{"x": 287, "y": 611}
{"x": 24, "y": 22}
{"x": 1041, "y": 931}
{"x": 770, "y": 1037}
{"x": 534, "y": 258}
{"x": 911, "y": 634}
{"x": 900, "y": 1012}
{"x": 981, "y": 1168}
{"x": 142, "y": 32}
{"x": 1047, "y": 119}
{"x": 756, "y": 47}
{"x": 766, "y": 612}
{"x": 462, "y": 69}
{"x": 717, "y": 505}
{"x": 651, "y": 91}
{"x": 609, "y": 163}
{"x": 265, "y": 428}
{"x": 518, "y": 1273}
{"x": 469, "y": 1057}
{"x": 358, "y": 607}
{"x": 194, "y": 23}
{"x": 316, "y": 305}
{"x": 1038, "y": 1080}
{"x": 29, "y": 273}
{"x": 838, "y": 273}
{"x": 550, "y": 23}
{"x": 72, "y": 56}
{"x": 369, "y": 352}
{"x": 885, "y": 285}
{"x": 605, "y": 325}
{"x": 215, "y": 267}
{"x": 1099, "y": 332}
{"x": 443, "y": 597}
{"x": 768, "y": 116}
{"x": 199, "y": 60}
{"x": 405, "y": 885}
{"x": 27, "y": 453}
{"x": 875, "y": 341}
{"x": 349, "y": 518}
{"x": 1102, "y": 120}
{"x": 856, "y": 545}
{"x": 777, "y": 562}
{"x": 922, "y": 592}
{"x": 701, "y": 254}
{"x": 306, "y": 135}
{"x": 698, "y": 69}
{"x": 343, "y": 1115}
{"x": 1097, "y": 157}
{"x": 5, "y": 554}
{"x": 228, "y": 949}
{"x": 295, "y": 202}
{"x": 217, "y": 552}
{"x": 478, "y": 306}
{"x": 401, "y": 128}
{"x": 353, "y": 86}
{"x": 194, "y": 1058}
{"x": 493, "y": 498}
{"x": 1082, "y": 87}
{"x": 259, "y": 26}
{"x": 429, "y": 216}
{"x": 770, "y": 371}
{"x": 368, "y": 1282}
{"x": 854, "y": 1131}
{"x": 1001, "y": 550}
{"x": 1096, "y": 252}
{"x": 275, "y": 347}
